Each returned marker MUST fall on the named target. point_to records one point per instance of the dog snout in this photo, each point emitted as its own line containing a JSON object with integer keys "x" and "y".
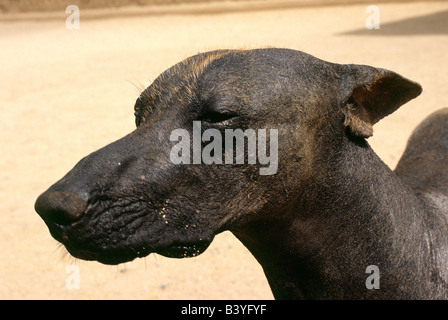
{"x": 59, "y": 207}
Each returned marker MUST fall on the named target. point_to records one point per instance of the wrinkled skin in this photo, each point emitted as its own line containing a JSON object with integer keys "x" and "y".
{"x": 128, "y": 199}
{"x": 175, "y": 210}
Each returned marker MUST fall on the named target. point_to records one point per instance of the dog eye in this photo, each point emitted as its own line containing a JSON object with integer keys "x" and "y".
{"x": 217, "y": 117}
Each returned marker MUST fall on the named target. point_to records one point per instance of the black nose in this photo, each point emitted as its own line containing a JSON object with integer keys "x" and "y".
{"x": 60, "y": 207}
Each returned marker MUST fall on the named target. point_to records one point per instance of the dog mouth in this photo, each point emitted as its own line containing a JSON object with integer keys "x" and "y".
{"x": 114, "y": 257}
{"x": 116, "y": 253}
{"x": 117, "y": 232}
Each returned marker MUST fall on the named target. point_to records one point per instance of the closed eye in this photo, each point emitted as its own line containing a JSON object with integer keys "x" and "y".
{"x": 217, "y": 117}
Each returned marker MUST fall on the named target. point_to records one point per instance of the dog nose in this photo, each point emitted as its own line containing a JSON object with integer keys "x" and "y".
{"x": 59, "y": 207}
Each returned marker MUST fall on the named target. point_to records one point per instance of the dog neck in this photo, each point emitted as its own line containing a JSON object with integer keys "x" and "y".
{"x": 354, "y": 213}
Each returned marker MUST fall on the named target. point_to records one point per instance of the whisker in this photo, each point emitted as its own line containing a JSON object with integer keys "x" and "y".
{"x": 139, "y": 86}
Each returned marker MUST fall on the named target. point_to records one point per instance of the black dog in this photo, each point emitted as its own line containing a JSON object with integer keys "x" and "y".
{"x": 325, "y": 208}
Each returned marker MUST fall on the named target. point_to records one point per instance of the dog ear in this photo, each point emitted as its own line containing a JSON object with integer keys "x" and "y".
{"x": 369, "y": 94}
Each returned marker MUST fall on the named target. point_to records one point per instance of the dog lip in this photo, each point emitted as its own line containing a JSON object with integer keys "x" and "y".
{"x": 108, "y": 258}
{"x": 111, "y": 258}
{"x": 57, "y": 231}
{"x": 117, "y": 255}
{"x": 184, "y": 250}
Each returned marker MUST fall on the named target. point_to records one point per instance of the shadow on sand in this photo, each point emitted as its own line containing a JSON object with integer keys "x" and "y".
{"x": 432, "y": 24}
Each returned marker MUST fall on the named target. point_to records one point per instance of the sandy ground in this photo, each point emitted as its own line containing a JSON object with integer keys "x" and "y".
{"x": 65, "y": 93}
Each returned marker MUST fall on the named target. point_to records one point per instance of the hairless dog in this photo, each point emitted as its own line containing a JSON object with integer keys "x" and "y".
{"x": 319, "y": 210}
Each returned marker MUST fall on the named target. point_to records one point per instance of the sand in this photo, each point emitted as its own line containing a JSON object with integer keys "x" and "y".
{"x": 65, "y": 93}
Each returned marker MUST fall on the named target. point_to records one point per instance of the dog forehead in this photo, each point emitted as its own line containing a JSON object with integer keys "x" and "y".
{"x": 180, "y": 77}
{"x": 177, "y": 84}
{"x": 236, "y": 68}
{"x": 264, "y": 75}
{"x": 238, "y": 73}
{"x": 265, "y": 70}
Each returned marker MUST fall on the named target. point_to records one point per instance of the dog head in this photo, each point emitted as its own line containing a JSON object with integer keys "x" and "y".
{"x": 222, "y": 138}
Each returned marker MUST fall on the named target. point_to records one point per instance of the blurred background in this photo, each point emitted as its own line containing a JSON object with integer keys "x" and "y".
{"x": 68, "y": 87}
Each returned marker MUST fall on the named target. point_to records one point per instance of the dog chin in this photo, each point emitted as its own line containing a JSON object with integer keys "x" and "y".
{"x": 184, "y": 250}
{"x": 113, "y": 258}
{"x": 108, "y": 259}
